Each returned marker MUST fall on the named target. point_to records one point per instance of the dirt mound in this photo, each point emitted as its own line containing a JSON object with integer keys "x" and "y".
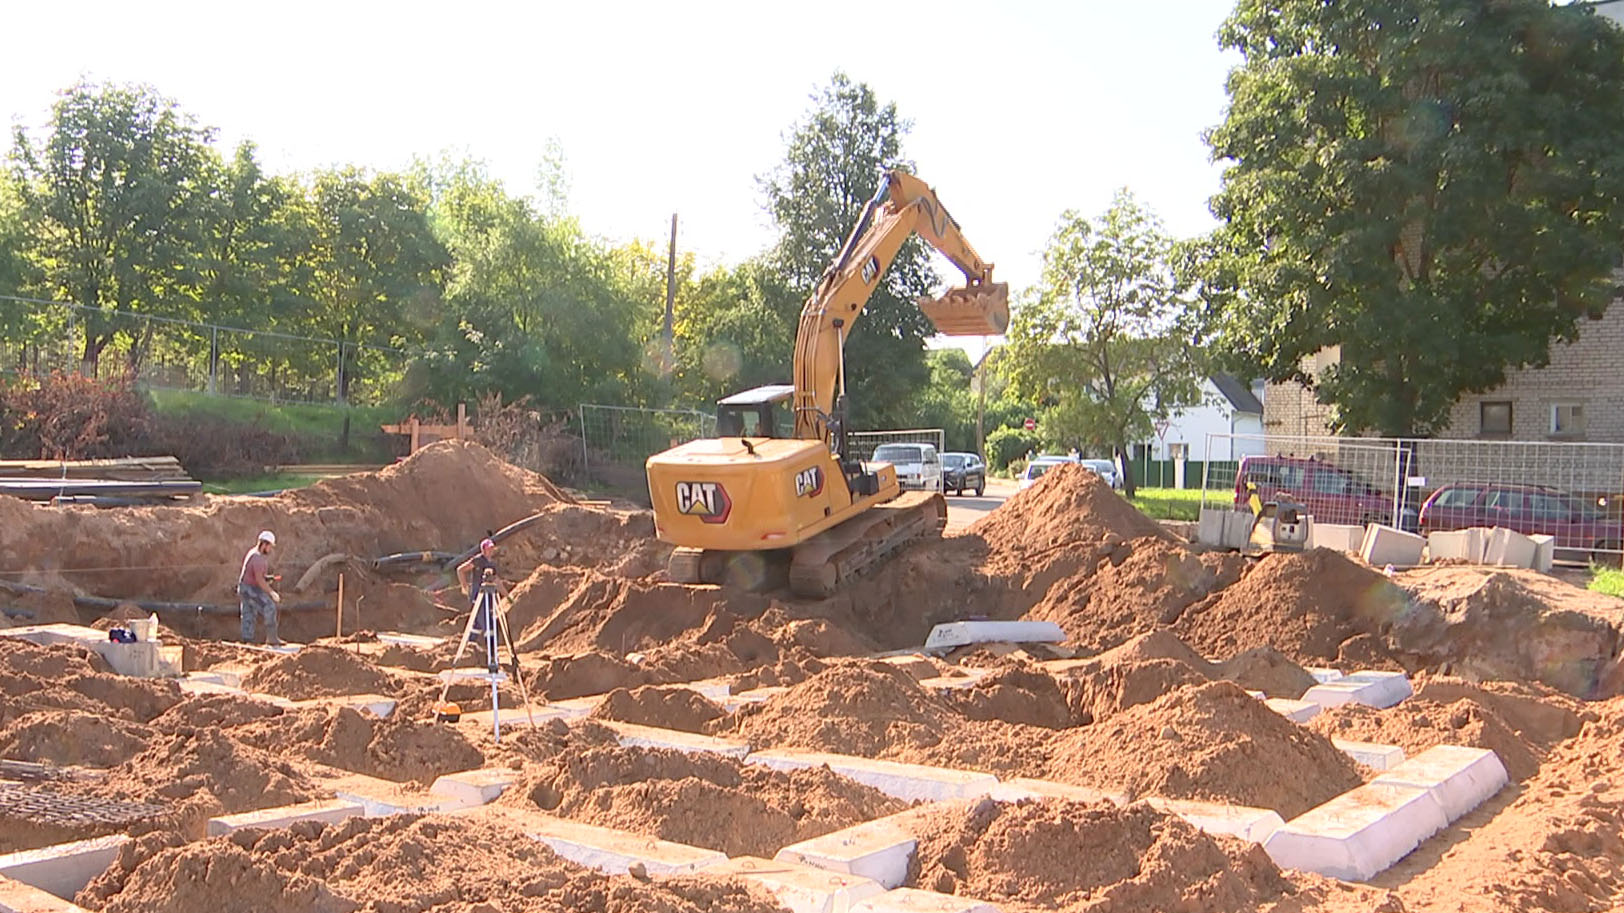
{"x": 1102, "y": 691}
{"x": 318, "y": 671}
{"x": 1074, "y": 856}
{"x": 1416, "y": 725}
{"x": 214, "y": 711}
{"x": 1539, "y": 714}
{"x": 1208, "y": 741}
{"x": 1068, "y": 505}
{"x": 698, "y": 799}
{"x": 572, "y": 610}
{"x": 72, "y": 737}
{"x": 63, "y": 677}
{"x": 1015, "y": 692}
{"x": 615, "y": 542}
{"x": 397, "y": 863}
{"x": 57, "y": 661}
{"x": 205, "y": 766}
{"x": 671, "y": 708}
{"x": 398, "y": 748}
{"x": 1268, "y": 670}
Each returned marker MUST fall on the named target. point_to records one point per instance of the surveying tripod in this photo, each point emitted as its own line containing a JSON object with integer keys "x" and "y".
{"x": 489, "y": 607}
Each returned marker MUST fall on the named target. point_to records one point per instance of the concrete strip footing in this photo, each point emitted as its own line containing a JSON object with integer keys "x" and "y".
{"x": 1460, "y": 778}
{"x": 880, "y": 850}
{"x": 613, "y": 852}
{"x": 912, "y": 900}
{"x": 631, "y": 735}
{"x": 904, "y": 781}
{"x": 514, "y": 714}
{"x": 1019, "y": 788}
{"x": 1384, "y": 545}
{"x": 64, "y": 869}
{"x": 1544, "y": 552}
{"x": 413, "y": 641}
{"x": 1322, "y": 674}
{"x": 327, "y": 811}
{"x": 1371, "y": 754}
{"x": 1295, "y": 711}
{"x": 16, "y": 897}
{"x": 378, "y": 797}
{"x": 799, "y": 888}
{"x": 962, "y": 633}
{"x": 1375, "y": 689}
{"x": 733, "y": 702}
{"x": 375, "y": 704}
{"x": 1359, "y": 833}
{"x": 1254, "y": 824}
{"x": 577, "y": 706}
{"x": 475, "y": 787}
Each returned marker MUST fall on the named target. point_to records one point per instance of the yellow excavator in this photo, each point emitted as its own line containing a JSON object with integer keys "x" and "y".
{"x": 757, "y": 506}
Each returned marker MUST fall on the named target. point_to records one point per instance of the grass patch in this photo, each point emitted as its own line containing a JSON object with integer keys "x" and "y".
{"x": 257, "y": 484}
{"x": 319, "y": 428}
{"x": 1168, "y": 503}
{"x": 1607, "y": 580}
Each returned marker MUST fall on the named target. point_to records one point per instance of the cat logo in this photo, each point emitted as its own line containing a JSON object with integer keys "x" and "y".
{"x": 870, "y": 270}
{"x": 706, "y": 500}
{"x": 809, "y": 482}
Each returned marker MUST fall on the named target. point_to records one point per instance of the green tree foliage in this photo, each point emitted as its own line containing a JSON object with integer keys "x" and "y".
{"x": 833, "y": 165}
{"x": 1104, "y": 340}
{"x": 1432, "y": 185}
{"x": 735, "y": 330}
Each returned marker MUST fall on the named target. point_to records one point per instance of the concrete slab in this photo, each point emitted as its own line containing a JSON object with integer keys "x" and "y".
{"x": 16, "y": 897}
{"x": 1460, "y": 778}
{"x": 1322, "y": 674}
{"x": 1209, "y": 526}
{"x": 1384, "y": 545}
{"x": 330, "y": 811}
{"x": 1509, "y": 548}
{"x": 375, "y": 704}
{"x": 577, "y": 706}
{"x": 614, "y": 852}
{"x": 904, "y": 781}
{"x": 1389, "y": 687}
{"x": 1237, "y": 529}
{"x": 1296, "y": 711}
{"x": 46, "y": 635}
{"x": 716, "y": 689}
{"x": 1457, "y": 545}
{"x": 880, "y": 850}
{"x": 378, "y": 797}
{"x": 1254, "y": 824}
{"x": 514, "y": 715}
{"x": 799, "y": 888}
{"x": 1359, "y": 833}
{"x": 631, "y": 735}
{"x": 732, "y": 703}
{"x": 208, "y": 686}
{"x": 1019, "y": 788}
{"x": 962, "y": 633}
{"x": 1377, "y": 690}
{"x": 475, "y": 787}
{"x": 1338, "y": 537}
{"x": 64, "y": 869}
{"x": 473, "y": 674}
{"x": 414, "y": 641}
{"x": 1544, "y": 552}
{"x": 913, "y": 900}
{"x": 1371, "y": 754}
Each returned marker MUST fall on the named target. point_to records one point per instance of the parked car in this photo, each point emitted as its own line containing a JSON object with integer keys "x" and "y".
{"x": 1576, "y": 523}
{"x": 1331, "y": 494}
{"x": 1106, "y": 470}
{"x": 1039, "y": 466}
{"x": 919, "y": 468}
{"x": 963, "y": 472}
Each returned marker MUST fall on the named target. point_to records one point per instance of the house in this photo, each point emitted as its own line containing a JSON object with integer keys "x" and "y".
{"x": 1228, "y": 406}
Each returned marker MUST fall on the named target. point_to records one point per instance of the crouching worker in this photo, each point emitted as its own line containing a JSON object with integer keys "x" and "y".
{"x": 258, "y": 600}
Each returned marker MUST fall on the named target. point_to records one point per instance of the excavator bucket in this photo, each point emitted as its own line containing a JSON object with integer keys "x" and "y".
{"x": 974, "y": 310}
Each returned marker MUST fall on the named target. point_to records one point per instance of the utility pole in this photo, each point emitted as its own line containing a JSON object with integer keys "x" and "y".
{"x": 981, "y": 401}
{"x": 670, "y": 301}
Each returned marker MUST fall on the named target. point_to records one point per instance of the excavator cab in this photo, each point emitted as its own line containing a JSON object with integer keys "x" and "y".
{"x": 759, "y": 412}
{"x": 977, "y": 309}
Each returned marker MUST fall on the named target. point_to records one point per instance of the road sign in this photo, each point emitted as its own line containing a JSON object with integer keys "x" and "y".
{"x": 1031, "y": 424}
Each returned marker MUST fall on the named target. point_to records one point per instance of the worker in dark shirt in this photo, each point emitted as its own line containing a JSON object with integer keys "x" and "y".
{"x": 471, "y": 574}
{"x": 254, "y": 589}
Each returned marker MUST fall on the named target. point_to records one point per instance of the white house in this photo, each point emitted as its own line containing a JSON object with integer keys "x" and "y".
{"x": 1228, "y": 407}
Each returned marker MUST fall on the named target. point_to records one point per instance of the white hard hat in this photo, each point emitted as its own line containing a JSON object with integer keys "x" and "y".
{"x": 268, "y": 536}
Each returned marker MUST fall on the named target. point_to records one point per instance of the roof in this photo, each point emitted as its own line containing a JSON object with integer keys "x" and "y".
{"x": 1239, "y": 395}
{"x": 769, "y": 393}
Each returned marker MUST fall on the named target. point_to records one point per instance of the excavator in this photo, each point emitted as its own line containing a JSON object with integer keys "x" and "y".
{"x": 775, "y": 498}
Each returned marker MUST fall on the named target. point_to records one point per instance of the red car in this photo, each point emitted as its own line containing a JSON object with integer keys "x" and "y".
{"x": 1528, "y": 509}
{"x": 1331, "y": 494}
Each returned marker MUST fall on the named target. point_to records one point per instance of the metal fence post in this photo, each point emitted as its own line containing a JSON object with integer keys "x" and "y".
{"x": 585, "y": 469}
{"x": 214, "y": 359}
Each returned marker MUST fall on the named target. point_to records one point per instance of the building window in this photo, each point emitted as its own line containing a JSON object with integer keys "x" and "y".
{"x": 1494, "y": 418}
{"x": 1567, "y": 420}
{"x": 1178, "y": 451}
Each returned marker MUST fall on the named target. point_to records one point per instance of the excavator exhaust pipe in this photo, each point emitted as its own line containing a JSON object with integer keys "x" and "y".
{"x": 973, "y": 310}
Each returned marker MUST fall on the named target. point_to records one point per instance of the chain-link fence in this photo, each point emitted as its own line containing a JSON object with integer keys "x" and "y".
{"x": 616, "y": 441}
{"x": 1572, "y": 491}
{"x": 41, "y": 337}
{"x": 862, "y": 444}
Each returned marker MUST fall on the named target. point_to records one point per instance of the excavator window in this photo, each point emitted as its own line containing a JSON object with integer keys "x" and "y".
{"x": 751, "y": 420}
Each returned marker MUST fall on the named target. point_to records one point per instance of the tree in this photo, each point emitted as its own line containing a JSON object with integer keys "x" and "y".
{"x": 114, "y": 197}
{"x": 834, "y": 164}
{"x": 735, "y": 329}
{"x": 1434, "y": 186}
{"x": 1104, "y": 340}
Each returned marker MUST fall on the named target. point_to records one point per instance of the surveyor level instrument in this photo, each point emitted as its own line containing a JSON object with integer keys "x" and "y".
{"x": 488, "y": 622}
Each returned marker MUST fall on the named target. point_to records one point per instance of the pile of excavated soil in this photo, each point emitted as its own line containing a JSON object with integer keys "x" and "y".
{"x": 1015, "y": 692}
{"x": 1077, "y": 857}
{"x": 1557, "y": 846}
{"x": 1069, "y": 505}
{"x": 319, "y": 671}
{"x": 568, "y": 610}
{"x": 1416, "y": 725}
{"x": 398, "y": 748}
{"x": 696, "y": 798}
{"x": 615, "y": 542}
{"x": 64, "y": 677}
{"x": 1208, "y": 741}
{"x": 397, "y": 863}
{"x": 72, "y": 737}
{"x": 669, "y": 708}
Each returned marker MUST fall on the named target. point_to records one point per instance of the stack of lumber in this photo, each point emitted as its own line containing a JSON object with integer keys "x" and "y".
{"x": 106, "y": 483}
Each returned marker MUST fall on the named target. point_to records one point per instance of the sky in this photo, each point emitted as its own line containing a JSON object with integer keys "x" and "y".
{"x": 1020, "y": 110}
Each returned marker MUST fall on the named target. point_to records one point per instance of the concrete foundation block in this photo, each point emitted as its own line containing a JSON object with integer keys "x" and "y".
{"x": 375, "y": 704}
{"x": 475, "y": 787}
{"x": 715, "y": 689}
{"x": 1459, "y": 778}
{"x": 1371, "y": 754}
{"x": 1295, "y": 711}
{"x": 413, "y": 641}
{"x": 1509, "y": 548}
{"x": 1019, "y": 788}
{"x": 1338, "y": 537}
{"x": 1322, "y": 674}
{"x": 330, "y": 811}
{"x": 1456, "y": 545}
{"x": 1209, "y": 527}
{"x": 614, "y": 852}
{"x": 16, "y": 897}
{"x": 1544, "y": 553}
{"x": 203, "y": 686}
{"x": 1375, "y": 689}
{"x": 913, "y": 900}
{"x": 799, "y": 888}
{"x": 733, "y": 702}
{"x": 963, "y": 633}
{"x": 64, "y": 869}
{"x": 1237, "y": 529}
{"x": 880, "y": 850}
{"x": 904, "y": 781}
{"x": 1384, "y": 545}
{"x": 46, "y": 635}
{"x": 577, "y": 706}
{"x": 1254, "y": 824}
{"x": 1359, "y": 833}
{"x": 633, "y": 736}
{"x": 514, "y": 715}
{"x": 378, "y": 797}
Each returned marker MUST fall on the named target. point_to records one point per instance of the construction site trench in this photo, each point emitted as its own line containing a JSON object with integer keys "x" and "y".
{"x": 1298, "y": 732}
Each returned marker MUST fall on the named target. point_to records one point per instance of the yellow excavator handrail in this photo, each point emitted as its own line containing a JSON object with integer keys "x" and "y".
{"x": 904, "y": 205}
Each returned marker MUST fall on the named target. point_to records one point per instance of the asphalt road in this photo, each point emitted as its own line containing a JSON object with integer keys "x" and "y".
{"x": 961, "y": 512}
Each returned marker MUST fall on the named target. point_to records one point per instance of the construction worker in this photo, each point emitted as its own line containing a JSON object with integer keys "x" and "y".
{"x": 258, "y": 600}
{"x": 471, "y": 574}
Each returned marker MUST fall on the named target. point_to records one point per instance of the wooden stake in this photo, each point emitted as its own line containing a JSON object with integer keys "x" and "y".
{"x": 338, "y": 630}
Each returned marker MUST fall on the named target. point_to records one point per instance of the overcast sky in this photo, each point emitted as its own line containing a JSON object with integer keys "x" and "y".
{"x": 1020, "y": 109}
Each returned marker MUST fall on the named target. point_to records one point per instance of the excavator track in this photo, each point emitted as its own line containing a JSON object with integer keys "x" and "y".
{"x": 820, "y": 565}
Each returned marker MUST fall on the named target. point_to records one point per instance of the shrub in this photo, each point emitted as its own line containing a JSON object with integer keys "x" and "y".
{"x": 1006, "y": 445}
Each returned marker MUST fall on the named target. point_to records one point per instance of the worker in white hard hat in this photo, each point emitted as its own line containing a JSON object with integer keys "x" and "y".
{"x": 258, "y": 600}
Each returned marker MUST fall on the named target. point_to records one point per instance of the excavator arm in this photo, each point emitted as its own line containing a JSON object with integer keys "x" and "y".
{"x": 903, "y": 206}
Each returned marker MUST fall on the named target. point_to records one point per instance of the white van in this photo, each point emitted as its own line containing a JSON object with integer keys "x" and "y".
{"x": 1041, "y": 465}
{"x": 919, "y": 467}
